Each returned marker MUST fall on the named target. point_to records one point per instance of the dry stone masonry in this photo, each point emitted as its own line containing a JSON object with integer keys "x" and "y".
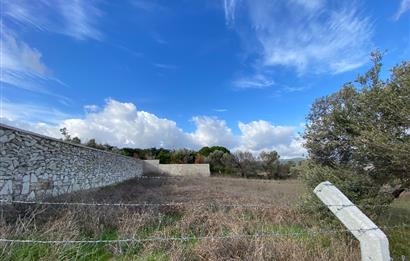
{"x": 33, "y": 166}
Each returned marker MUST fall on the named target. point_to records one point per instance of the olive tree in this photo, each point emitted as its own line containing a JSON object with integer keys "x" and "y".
{"x": 183, "y": 156}
{"x": 359, "y": 136}
{"x": 270, "y": 163}
{"x": 216, "y": 163}
{"x": 246, "y": 163}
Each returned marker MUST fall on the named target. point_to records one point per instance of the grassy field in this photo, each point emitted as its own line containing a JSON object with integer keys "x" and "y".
{"x": 200, "y": 223}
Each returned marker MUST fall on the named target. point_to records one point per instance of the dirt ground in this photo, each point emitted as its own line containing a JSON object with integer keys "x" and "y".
{"x": 212, "y": 190}
{"x": 199, "y": 217}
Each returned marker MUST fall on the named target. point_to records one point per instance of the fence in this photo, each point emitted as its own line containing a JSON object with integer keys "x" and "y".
{"x": 373, "y": 242}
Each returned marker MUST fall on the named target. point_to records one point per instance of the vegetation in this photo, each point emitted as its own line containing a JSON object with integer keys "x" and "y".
{"x": 245, "y": 164}
{"x": 201, "y": 220}
{"x": 222, "y": 162}
{"x": 205, "y": 151}
{"x": 359, "y": 137}
{"x": 110, "y": 223}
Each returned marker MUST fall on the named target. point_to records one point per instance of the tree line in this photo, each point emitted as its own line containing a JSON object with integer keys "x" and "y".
{"x": 221, "y": 160}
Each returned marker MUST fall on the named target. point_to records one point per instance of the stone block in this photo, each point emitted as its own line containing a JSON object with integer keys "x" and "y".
{"x": 7, "y": 188}
{"x": 26, "y": 185}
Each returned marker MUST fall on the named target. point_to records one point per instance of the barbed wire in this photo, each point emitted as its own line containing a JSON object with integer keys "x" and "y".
{"x": 144, "y": 204}
{"x": 229, "y": 179}
{"x": 176, "y": 204}
{"x": 261, "y": 180}
{"x": 311, "y": 232}
{"x": 170, "y": 204}
{"x": 192, "y": 204}
{"x": 355, "y": 186}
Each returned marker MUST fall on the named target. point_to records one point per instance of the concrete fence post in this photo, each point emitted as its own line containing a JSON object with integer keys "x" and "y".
{"x": 374, "y": 244}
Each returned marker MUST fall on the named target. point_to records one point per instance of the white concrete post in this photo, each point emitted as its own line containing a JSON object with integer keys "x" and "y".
{"x": 374, "y": 244}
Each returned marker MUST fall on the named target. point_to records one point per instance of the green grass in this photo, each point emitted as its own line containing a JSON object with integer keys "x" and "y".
{"x": 81, "y": 252}
{"x": 399, "y": 215}
{"x": 154, "y": 256}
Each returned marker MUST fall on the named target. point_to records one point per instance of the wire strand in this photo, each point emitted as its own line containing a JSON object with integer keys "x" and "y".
{"x": 189, "y": 238}
{"x": 170, "y": 204}
{"x": 144, "y": 204}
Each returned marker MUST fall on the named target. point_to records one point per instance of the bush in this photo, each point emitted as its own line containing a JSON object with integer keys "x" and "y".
{"x": 360, "y": 189}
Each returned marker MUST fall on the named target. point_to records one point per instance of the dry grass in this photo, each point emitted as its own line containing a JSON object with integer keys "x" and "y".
{"x": 79, "y": 223}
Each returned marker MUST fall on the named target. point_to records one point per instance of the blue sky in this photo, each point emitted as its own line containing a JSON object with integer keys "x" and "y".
{"x": 139, "y": 73}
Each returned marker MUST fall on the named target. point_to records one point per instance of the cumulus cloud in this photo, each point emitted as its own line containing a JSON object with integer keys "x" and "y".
{"x": 404, "y": 7}
{"x": 314, "y": 36}
{"x": 77, "y": 18}
{"x": 211, "y": 131}
{"x": 39, "y": 119}
{"x": 123, "y": 125}
{"x": 39, "y": 127}
{"x": 257, "y": 135}
{"x": 91, "y": 108}
{"x": 261, "y": 135}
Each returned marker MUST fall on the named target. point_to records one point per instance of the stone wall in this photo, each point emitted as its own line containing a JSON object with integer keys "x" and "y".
{"x": 185, "y": 169}
{"x": 33, "y": 166}
{"x": 153, "y": 167}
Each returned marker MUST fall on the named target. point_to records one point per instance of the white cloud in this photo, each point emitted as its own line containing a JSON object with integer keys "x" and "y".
{"x": 261, "y": 135}
{"x": 404, "y": 7}
{"x": 211, "y": 131}
{"x": 40, "y": 119}
{"x": 22, "y": 66}
{"x": 18, "y": 56}
{"x": 165, "y": 66}
{"x": 80, "y": 19}
{"x": 258, "y": 81}
{"x": 76, "y": 18}
{"x": 258, "y": 135}
{"x": 309, "y": 36}
{"x": 310, "y": 5}
{"x": 230, "y": 7}
{"x": 41, "y": 128}
{"x": 91, "y": 108}
{"x": 122, "y": 125}
{"x": 25, "y": 112}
